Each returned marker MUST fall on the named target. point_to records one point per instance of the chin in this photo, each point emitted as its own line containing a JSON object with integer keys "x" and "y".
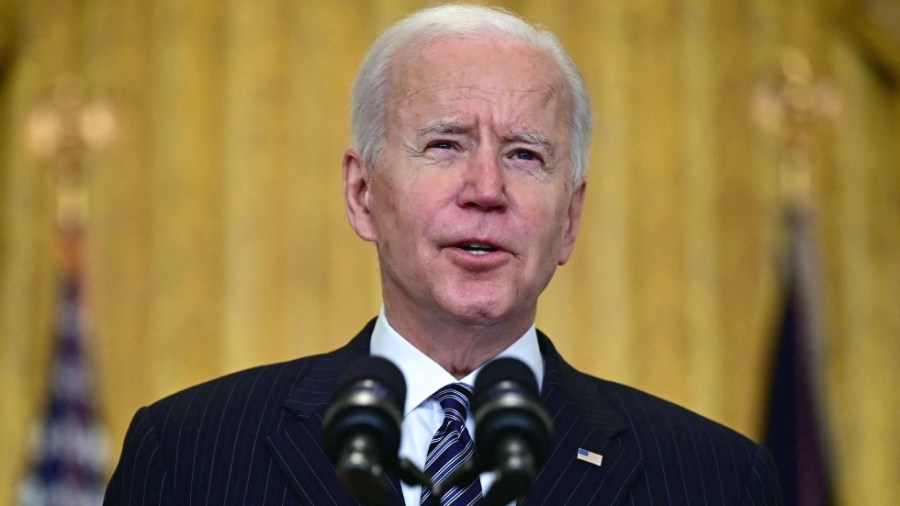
{"x": 480, "y": 311}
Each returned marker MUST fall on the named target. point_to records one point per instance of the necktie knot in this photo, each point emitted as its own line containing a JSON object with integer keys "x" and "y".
{"x": 455, "y": 399}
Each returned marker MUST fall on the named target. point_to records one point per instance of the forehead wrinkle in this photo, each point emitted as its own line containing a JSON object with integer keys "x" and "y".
{"x": 512, "y": 107}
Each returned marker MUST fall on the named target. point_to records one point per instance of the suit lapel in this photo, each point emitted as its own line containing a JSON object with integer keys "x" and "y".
{"x": 582, "y": 419}
{"x": 296, "y": 445}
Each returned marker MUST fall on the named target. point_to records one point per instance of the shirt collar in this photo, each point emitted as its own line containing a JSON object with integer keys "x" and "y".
{"x": 424, "y": 376}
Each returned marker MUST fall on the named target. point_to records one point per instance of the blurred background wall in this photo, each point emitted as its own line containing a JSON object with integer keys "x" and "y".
{"x": 217, "y": 238}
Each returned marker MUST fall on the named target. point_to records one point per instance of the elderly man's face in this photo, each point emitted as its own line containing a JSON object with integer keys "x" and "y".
{"x": 471, "y": 205}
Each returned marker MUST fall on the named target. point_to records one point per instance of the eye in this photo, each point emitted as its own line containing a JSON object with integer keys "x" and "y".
{"x": 525, "y": 155}
{"x": 441, "y": 145}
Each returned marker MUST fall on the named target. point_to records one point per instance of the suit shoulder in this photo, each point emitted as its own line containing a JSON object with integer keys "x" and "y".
{"x": 253, "y": 397}
{"x": 679, "y": 443}
{"x": 250, "y": 390}
{"x": 247, "y": 396}
{"x": 255, "y": 388}
{"x": 663, "y": 420}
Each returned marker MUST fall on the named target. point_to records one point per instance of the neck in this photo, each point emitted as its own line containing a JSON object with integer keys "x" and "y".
{"x": 459, "y": 347}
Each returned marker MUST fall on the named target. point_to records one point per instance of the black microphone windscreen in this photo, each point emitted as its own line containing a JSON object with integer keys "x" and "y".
{"x": 506, "y": 369}
{"x": 361, "y": 427}
{"x": 512, "y": 428}
{"x": 378, "y": 369}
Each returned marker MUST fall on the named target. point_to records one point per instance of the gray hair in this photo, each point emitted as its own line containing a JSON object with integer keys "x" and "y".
{"x": 368, "y": 114}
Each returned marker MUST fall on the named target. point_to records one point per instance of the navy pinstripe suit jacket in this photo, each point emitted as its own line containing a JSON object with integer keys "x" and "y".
{"x": 254, "y": 438}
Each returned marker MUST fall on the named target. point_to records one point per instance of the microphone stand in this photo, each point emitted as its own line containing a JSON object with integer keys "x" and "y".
{"x": 516, "y": 471}
{"x": 361, "y": 474}
{"x": 412, "y": 475}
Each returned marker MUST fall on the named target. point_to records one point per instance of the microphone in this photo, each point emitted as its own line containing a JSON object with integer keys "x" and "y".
{"x": 512, "y": 428}
{"x": 362, "y": 426}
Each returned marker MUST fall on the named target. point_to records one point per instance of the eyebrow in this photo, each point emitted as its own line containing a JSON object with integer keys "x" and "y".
{"x": 536, "y": 139}
{"x": 442, "y": 127}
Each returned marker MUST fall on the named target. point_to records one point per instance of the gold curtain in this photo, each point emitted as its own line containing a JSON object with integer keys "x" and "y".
{"x": 218, "y": 239}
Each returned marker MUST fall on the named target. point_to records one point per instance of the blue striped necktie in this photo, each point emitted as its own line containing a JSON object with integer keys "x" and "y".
{"x": 451, "y": 446}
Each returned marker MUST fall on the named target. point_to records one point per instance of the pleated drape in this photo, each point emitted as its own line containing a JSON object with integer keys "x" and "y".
{"x": 218, "y": 238}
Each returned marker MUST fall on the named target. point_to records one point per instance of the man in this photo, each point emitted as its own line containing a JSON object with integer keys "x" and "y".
{"x": 471, "y": 132}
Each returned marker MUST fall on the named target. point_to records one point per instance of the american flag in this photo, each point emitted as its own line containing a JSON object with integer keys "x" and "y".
{"x": 70, "y": 447}
{"x": 593, "y": 458}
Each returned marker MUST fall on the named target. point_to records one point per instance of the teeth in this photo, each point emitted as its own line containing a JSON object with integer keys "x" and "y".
{"x": 478, "y": 248}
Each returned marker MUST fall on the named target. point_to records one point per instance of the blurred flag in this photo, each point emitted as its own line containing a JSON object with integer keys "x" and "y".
{"x": 796, "y": 431}
{"x": 70, "y": 447}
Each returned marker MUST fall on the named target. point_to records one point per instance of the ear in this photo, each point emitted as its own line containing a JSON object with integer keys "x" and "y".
{"x": 573, "y": 219}
{"x": 358, "y": 196}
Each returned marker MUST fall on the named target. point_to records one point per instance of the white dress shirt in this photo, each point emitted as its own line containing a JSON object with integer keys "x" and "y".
{"x": 422, "y": 415}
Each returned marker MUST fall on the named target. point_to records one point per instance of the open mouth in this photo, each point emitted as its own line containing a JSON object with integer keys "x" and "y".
{"x": 477, "y": 248}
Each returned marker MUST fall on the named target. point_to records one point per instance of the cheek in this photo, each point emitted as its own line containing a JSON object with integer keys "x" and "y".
{"x": 547, "y": 228}
{"x": 395, "y": 211}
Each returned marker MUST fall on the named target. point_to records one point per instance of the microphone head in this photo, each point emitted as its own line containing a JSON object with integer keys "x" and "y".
{"x": 506, "y": 404}
{"x": 506, "y": 369}
{"x": 378, "y": 369}
{"x": 368, "y": 401}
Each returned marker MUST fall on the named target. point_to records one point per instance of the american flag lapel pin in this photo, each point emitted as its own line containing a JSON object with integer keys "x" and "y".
{"x": 590, "y": 457}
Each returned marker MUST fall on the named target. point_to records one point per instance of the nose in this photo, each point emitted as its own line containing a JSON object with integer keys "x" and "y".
{"x": 483, "y": 183}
